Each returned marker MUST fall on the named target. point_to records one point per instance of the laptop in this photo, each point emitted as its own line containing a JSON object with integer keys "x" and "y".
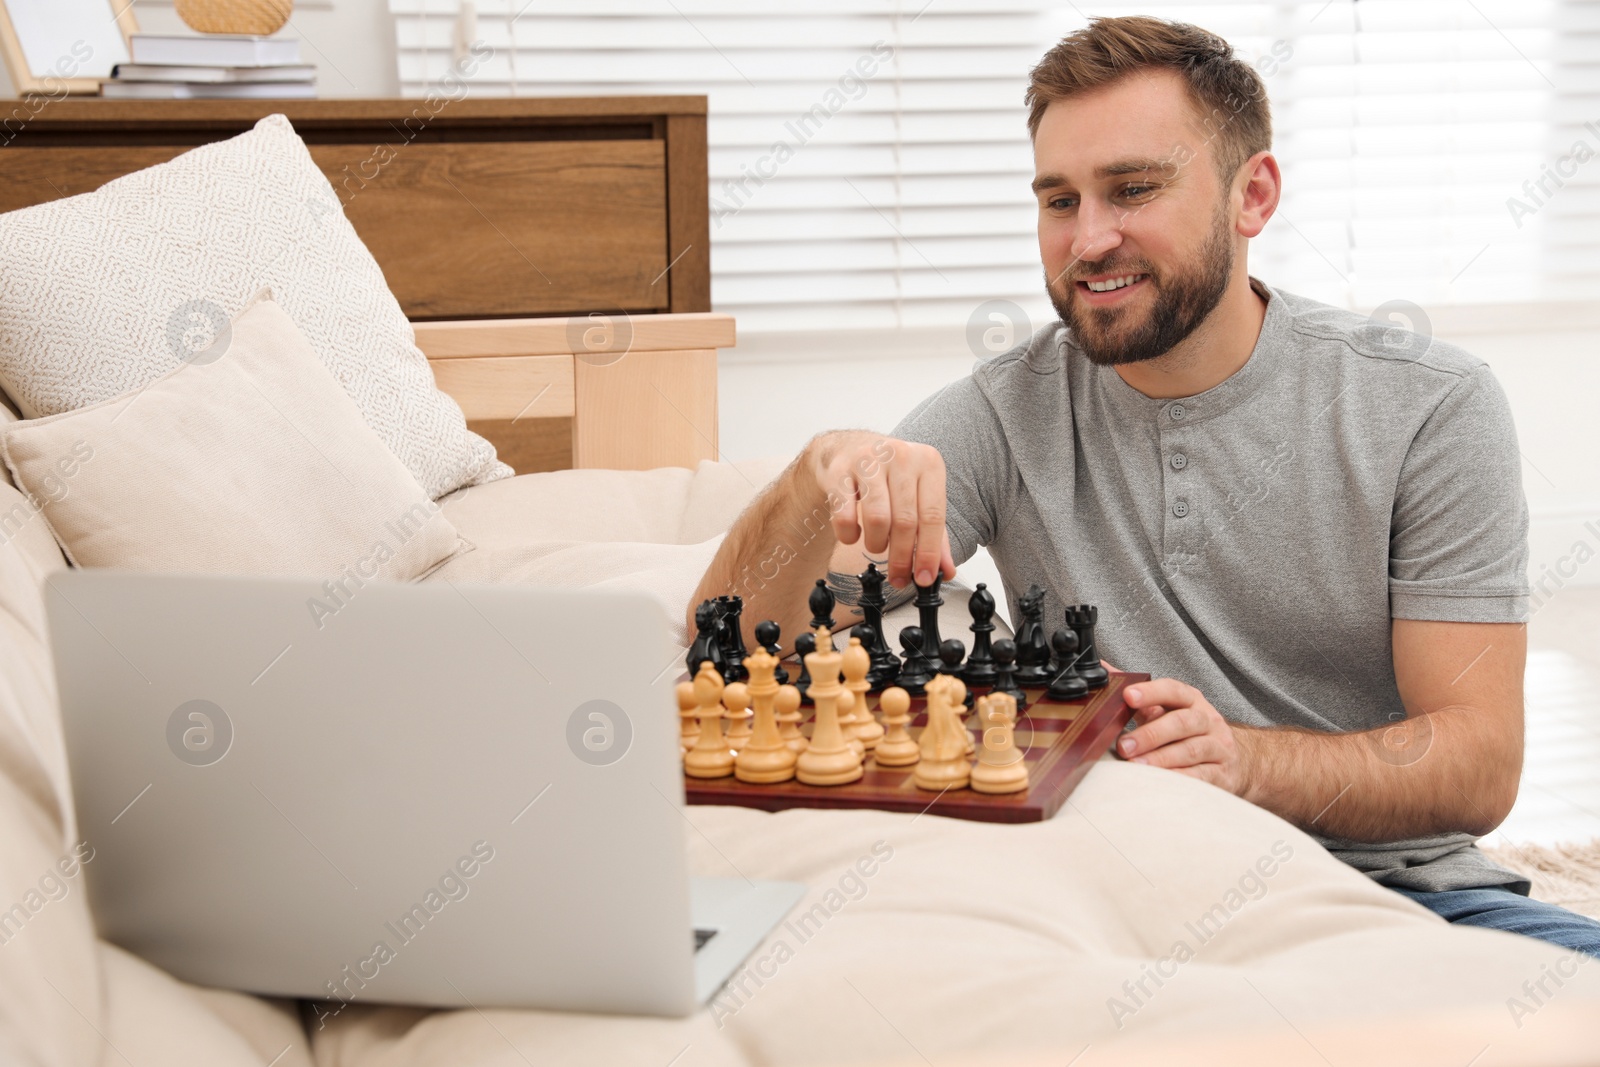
{"x": 433, "y": 794}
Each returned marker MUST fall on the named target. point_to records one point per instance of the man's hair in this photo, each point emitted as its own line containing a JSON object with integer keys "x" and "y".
{"x": 1227, "y": 92}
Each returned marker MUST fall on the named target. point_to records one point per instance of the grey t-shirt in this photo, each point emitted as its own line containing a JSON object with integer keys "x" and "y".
{"x": 1256, "y": 539}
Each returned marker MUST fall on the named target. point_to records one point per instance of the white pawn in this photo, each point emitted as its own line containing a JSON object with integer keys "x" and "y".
{"x": 736, "y": 698}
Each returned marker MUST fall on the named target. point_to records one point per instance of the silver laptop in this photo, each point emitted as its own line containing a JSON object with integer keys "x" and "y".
{"x": 431, "y": 794}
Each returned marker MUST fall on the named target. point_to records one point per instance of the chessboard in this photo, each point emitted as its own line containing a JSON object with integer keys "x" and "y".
{"x": 1059, "y": 740}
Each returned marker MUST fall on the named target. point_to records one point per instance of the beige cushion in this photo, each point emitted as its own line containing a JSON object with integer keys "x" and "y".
{"x": 104, "y": 292}
{"x": 250, "y": 459}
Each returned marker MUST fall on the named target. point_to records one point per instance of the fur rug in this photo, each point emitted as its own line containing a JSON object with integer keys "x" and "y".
{"x": 1567, "y": 874}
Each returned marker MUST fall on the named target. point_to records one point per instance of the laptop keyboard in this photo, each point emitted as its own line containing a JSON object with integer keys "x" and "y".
{"x": 701, "y": 937}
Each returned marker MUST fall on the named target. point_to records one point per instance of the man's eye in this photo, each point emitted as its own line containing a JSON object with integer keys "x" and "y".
{"x": 1061, "y": 203}
{"x": 1136, "y": 191}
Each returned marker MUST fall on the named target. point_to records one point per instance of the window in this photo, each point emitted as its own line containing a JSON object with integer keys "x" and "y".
{"x": 869, "y": 159}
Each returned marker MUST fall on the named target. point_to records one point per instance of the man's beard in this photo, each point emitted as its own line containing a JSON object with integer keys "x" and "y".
{"x": 1182, "y": 303}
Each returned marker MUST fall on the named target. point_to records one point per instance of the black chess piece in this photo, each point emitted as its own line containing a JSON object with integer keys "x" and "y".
{"x": 980, "y": 669}
{"x": 917, "y": 670}
{"x": 767, "y": 634}
{"x": 707, "y": 644}
{"x": 1066, "y": 685}
{"x": 1005, "y": 654}
{"x": 732, "y": 637}
{"x": 928, "y": 603}
{"x": 951, "y": 653}
{"x": 804, "y": 644}
{"x": 876, "y": 681}
{"x": 1033, "y": 652}
{"x": 1082, "y": 618}
{"x": 885, "y": 664}
{"x": 821, "y": 602}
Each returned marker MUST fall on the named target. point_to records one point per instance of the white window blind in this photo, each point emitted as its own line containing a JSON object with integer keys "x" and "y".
{"x": 869, "y": 160}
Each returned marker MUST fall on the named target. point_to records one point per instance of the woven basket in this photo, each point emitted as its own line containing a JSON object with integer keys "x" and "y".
{"x": 259, "y": 17}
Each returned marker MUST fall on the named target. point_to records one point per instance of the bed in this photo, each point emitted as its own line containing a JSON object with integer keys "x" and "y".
{"x": 1155, "y": 919}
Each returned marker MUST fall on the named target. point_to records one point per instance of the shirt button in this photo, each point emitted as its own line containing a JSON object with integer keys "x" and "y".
{"x": 1177, "y": 411}
{"x": 1181, "y": 508}
{"x": 1179, "y": 461}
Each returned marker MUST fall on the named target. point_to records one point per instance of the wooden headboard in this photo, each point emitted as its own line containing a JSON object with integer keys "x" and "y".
{"x": 553, "y": 253}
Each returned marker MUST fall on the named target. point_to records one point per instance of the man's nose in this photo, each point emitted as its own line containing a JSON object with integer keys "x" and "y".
{"x": 1099, "y": 230}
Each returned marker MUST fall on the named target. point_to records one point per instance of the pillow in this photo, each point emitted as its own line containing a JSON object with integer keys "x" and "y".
{"x": 249, "y": 459}
{"x": 105, "y": 292}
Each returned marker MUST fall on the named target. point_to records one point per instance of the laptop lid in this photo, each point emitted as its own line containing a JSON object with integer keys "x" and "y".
{"x": 429, "y": 793}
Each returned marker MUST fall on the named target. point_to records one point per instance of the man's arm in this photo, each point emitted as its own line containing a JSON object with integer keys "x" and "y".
{"x": 846, "y": 492}
{"x": 1452, "y": 765}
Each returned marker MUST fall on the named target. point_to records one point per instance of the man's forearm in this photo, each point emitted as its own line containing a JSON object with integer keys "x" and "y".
{"x": 774, "y": 553}
{"x": 1435, "y": 773}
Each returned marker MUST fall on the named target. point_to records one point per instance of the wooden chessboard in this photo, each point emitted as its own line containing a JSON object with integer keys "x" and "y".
{"x": 1060, "y": 741}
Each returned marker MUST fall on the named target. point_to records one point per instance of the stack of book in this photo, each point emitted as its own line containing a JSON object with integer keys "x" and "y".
{"x": 213, "y": 66}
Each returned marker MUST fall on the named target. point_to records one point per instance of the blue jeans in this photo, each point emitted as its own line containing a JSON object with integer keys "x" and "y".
{"x": 1498, "y": 908}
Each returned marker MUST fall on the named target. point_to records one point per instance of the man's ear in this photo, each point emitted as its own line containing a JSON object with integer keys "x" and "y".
{"x": 1260, "y": 186}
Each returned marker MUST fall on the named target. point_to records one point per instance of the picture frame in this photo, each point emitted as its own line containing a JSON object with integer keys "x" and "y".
{"x": 63, "y": 47}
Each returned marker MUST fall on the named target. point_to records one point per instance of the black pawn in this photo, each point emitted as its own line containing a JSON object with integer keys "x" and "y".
{"x": 1033, "y": 653}
{"x": 733, "y": 650}
{"x": 951, "y": 653}
{"x": 980, "y": 670}
{"x": 1082, "y": 618}
{"x": 885, "y": 664}
{"x": 917, "y": 670}
{"x": 804, "y": 645}
{"x": 876, "y": 680}
{"x": 767, "y": 634}
{"x": 1005, "y": 653}
{"x": 707, "y": 644}
{"x": 1066, "y": 685}
{"x": 821, "y": 602}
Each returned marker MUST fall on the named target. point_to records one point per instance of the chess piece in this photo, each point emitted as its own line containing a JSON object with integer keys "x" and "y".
{"x": 885, "y": 664}
{"x": 710, "y": 757}
{"x": 943, "y": 746}
{"x": 707, "y": 643}
{"x": 788, "y": 710}
{"x": 980, "y": 668}
{"x": 821, "y": 603}
{"x": 1033, "y": 651}
{"x": 951, "y": 653}
{"x": 1065, "y": 684}
{"x": 767, "y": 634}
{"x": 857, "y": 663}
{"x": 898, "y": 748}
{"x": 805, "y": 643}
{"x": 736, "y": 698}
{"x": 1082, "y": 618}
{"x": 928, "y": 603}
{"x": 917, "y": 671}
{"x": 830, "y": 759}
{"x": 1001, "y": 767}
{"x": 765, "y": 758}
{"x": 732, "y": 637}
{"x": 688, "y": 726}
{"x": 1005, "y": 654}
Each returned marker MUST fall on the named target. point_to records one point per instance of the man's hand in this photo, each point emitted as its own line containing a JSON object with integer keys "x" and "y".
{"x": 889, "y": 496}
{"x": 1181, "y": 731}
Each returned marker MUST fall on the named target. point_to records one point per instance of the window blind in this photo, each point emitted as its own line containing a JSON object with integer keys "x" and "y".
{"x": 869, "y": 159}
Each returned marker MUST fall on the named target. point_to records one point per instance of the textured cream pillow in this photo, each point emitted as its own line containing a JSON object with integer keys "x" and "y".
{"x": 104, "y": 292}
{"x": 248, "y": 459}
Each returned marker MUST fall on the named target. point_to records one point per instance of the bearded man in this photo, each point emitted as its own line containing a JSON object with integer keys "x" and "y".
{"x": 1308, "y": 526}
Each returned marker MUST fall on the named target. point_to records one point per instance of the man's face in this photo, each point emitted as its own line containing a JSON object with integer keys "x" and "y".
{"x": 1127, "y": 186}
